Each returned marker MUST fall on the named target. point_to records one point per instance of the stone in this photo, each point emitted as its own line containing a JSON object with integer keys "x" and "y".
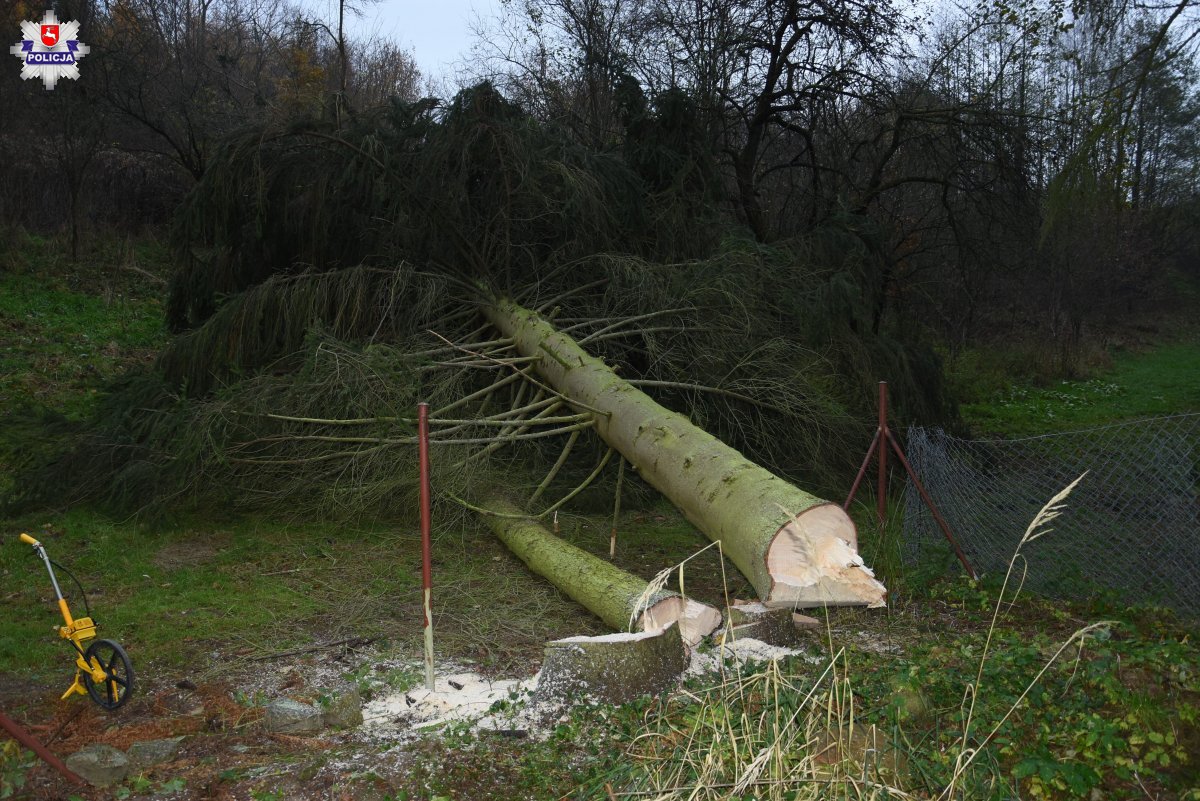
{"x": 806, "y": 623}
{"x": 99, "y": 765}
{"x": 285, "y": 716}
{"x": 344, "y": 711}
{"x": 147, "y": 753}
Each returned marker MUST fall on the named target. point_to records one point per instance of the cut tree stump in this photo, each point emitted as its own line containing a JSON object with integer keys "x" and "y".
{"x": 604, "y": 589}
{"x": 773, "y": 626}
{"x": 613, "y": 668}
{"x": 796, "y": 549}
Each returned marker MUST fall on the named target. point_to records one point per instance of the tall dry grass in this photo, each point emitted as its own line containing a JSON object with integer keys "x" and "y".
{"x": 771, "y": 731}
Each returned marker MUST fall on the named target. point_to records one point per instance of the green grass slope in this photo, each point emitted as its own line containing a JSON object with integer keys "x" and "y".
{"x": 1161, "y": 380}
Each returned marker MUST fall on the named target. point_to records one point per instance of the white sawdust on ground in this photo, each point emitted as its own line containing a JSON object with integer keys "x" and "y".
{"x": 462, "y": 696}
{"x": 459, "y": 697}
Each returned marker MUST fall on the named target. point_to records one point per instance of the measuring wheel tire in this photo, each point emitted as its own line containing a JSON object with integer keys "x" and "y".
{"x": 119, "y": 672}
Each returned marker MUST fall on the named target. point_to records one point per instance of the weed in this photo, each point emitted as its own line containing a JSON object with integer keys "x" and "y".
{"x": 254, "y": 700}
{"x": 173, "y": 785}
{"x": 15, "y": 762}
{"x": 403, "y": 679}
{"x": 138, "y": 784}
{"x": 360, "y": 677}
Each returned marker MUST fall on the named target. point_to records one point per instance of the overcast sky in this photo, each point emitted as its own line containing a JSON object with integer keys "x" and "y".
{"x": 437, "y": 32}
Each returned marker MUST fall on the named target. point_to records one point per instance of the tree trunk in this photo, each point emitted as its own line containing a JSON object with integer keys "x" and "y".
{"x": 603, "y": 588}
{"x": 744, "y": 169}
{"x": 796, "y": 549}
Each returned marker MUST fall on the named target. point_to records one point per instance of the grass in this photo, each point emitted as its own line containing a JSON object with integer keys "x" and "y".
{"x": 171, "y": 594}
{"x": 246, "y": 587}
{"x": 1159, "y": 381}
{"x": 963, "y": 691}
{"x": 875, "y": 709}
{"x": 67, "y": 327}
{"x": 252, "y": 587}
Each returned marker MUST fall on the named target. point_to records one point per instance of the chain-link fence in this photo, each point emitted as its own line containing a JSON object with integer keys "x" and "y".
{"x": 1132, "y": 526}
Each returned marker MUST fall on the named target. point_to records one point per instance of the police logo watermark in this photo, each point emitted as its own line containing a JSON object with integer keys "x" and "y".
{"x": 50, "y": 50}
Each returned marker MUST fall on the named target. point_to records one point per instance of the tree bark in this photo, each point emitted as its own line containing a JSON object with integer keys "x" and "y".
{"x": 604, "y": 589}
{"x": 613, "y": 668}
{"x": 796, "y": 549}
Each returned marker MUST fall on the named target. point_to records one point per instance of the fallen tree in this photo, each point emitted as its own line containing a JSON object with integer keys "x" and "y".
{"x": 796, "y": 549}
{"x": 366, "y": 237}
{"x": 305, "y": 341}
{"x": 620, "y": 599}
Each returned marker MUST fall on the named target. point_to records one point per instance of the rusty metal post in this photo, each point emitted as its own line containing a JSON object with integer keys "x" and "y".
{"x": 883, "y": 438}
{"x": 26, "y": 739}
{"x": 881, "y": 499}
{"x": 862, "y": 472}
{"x": 426, "y": 549}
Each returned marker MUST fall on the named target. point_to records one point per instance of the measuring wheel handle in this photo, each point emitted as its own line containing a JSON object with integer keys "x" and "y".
{"x": 110, "y": 680}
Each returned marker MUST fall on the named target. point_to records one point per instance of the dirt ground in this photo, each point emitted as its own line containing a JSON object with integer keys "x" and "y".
{"x": 227, "y": 754}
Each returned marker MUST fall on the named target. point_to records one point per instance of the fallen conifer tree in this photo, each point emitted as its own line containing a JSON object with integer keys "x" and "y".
{"x": 316, "y": 265}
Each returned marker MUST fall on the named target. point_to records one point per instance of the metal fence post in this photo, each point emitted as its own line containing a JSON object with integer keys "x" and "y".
{"x": 426, "y": 550}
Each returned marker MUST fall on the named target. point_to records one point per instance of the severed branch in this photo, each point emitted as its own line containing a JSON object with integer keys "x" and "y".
{"x": 501, "y": 342}
{"x": 612, "y": 539}
{"x": 504, "y": 418}
{"x": 570, "y": 293}
{"x": 541, "y": 421}
{"x": 477, "y": 364}
{"x": 518, "y": 433}
{"x": 357, "y": 421}
{"x": 657, "y": 329}
{"x": 550, "y": 509}
{"x": 332, "y": 421}
{"x": 625, "y": 321}
{"x": 586, "y": 421}
{"x": 463, "y": 401}
{"x": 562, "y": 459}
{"x": 526, "y": 374}
{"x": 324, "y": 457}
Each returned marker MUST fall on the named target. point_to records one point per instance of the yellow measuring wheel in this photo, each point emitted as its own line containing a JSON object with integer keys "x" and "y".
{"x": 102, "y": 669}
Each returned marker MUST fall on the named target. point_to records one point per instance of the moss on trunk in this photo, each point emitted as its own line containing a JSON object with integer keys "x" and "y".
{"x": 606, "y": 590}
